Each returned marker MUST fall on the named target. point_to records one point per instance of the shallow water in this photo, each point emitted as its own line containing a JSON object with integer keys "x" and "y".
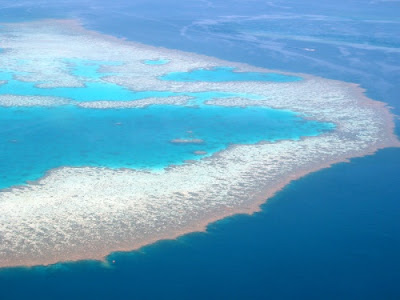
{"x": 34, "y": 140}
{"x": 90, "y": 69}
{"x": 94, "y": 90}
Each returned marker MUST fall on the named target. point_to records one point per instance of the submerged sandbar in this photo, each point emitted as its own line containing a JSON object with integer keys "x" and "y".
{"x": 88, "y": 212}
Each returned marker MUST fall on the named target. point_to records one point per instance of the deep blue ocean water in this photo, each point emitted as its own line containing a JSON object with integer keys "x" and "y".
{"x": 334, "y": 234}
{"x": 317, "y": 239}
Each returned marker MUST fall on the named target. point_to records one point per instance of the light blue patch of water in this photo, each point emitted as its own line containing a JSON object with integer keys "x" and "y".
{"x": 4, "y": 75}
{"x": 156, "y": 62}
{"x": 90, "y": 69}
{"x": 9, "y": 75}
{"x": 97, "y": 90}
{"x": 93, "y": 90}
{"x": 222, "y": 74}
{"x": 34, "y": 140}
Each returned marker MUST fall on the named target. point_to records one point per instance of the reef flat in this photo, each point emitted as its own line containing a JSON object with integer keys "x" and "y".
{"x": 76, "y": 213}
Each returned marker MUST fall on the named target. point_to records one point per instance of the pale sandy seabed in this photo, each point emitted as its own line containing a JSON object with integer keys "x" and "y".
{"x": 86, "y": 213}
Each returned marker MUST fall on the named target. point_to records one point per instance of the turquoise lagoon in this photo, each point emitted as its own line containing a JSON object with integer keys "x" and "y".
{"x": 90, "y": 69}
{"x": 96, "y": 89}
{"x": 37, "y": 139}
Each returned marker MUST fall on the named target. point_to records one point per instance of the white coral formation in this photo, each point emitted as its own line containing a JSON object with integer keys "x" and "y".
{"x": 18, "y": 100}
{"x": 172, "y": 100}
{"x": 83, "y": 213}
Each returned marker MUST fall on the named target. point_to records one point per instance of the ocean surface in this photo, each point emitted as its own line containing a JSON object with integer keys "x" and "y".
{"x": 334, "y": 234}
{"x": 317, "y": 239}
